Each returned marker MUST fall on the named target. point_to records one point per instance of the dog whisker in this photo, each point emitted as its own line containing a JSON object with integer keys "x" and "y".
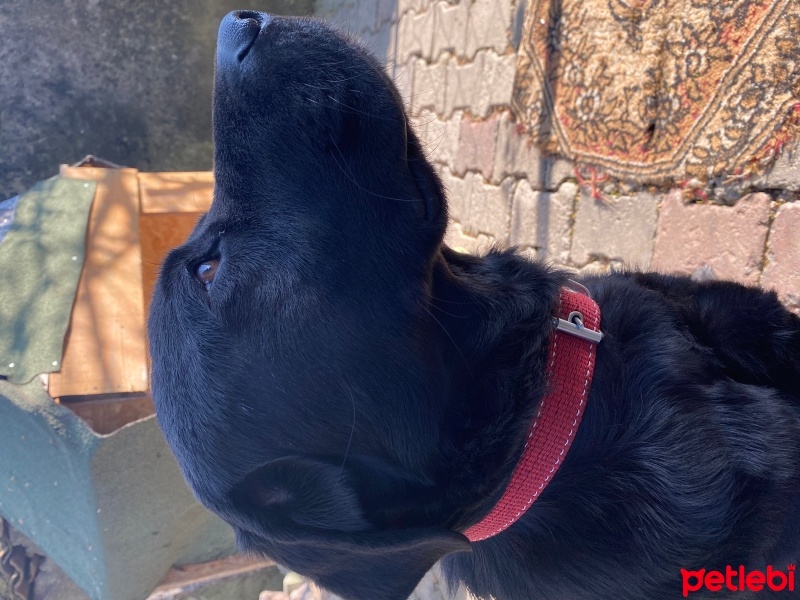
{"x": 449, "y": 301}
{"x": 441, "y": 310}
{"x": 352, "y": 430}
{"x": 347, "y": 107}
{"x": 360, "y": 112}
{"x": 358, "y": 185}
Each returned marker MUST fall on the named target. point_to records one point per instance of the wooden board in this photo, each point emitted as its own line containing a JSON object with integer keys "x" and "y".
{"x": 105, "y": 346}
{"x": 176, "y": 192}
{"x": 234, "y": 576}
{"x": 106, "y": 414}
{"x": 159, "y": 233}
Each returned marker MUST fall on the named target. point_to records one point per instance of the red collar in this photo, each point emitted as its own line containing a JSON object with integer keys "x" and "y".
{"x": 570, "y": 367}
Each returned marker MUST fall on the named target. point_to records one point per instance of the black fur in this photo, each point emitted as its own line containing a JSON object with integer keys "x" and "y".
{"x": 349, "y": 393}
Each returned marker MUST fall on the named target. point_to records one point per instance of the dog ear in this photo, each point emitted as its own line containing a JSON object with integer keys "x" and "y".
{"x": 304, "y": 514}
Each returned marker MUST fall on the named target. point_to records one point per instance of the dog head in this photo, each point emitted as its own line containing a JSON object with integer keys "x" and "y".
{"x": 296, "y": 368}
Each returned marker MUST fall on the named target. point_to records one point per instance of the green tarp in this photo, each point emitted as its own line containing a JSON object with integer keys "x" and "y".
{"x": 41, "y": 258}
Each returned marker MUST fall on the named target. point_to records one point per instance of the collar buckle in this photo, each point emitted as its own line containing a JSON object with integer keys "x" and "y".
{"x": 573, "y": 324}
{"x": 575, "y": 327}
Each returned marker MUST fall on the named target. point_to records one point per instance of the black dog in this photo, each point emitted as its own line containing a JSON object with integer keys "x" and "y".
{"x": 350, "y": 394}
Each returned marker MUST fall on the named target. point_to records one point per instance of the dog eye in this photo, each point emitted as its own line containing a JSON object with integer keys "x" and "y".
{"x": 205, "y": 272}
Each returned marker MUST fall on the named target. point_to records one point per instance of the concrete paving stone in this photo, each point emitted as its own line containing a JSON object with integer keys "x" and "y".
{"x": 616, "y": 229}
{"x": 490, "y": 208}
{"x": 558, "y": 171}
{"x": 429, "y": 85}
{"x": 784, "y": 174}
{"x": 542, "y": 220}
{"x": 476, "y": 146}
{"x": 546, "y": 174}
{"x": 438, "y": 137}
{"x": 448, "y": 131}
{"x": 479, "y": 85}
{"x": 488, "y": 26}
{"x": 727, "y": 239}
{"x": 456, "y": 239}
{"x": 420, "y": 123}
{"x": 459, "y": 192}
{"x": 403, "y": 76}
{"x": 782, "y": 272}
{"x": 497, "y": 82}
{"x": 484, "y": 243}
{"x": 451, "y": 28}
{"x": 516, "y": 153}
{"x": 462, "y": 82}
{"x": 480, "y": 207}
{"x": 415, "y": 34}
{"x": 403, "y": 6}
{"x": 404, "y": 36}
{"x": 424, "y": 29}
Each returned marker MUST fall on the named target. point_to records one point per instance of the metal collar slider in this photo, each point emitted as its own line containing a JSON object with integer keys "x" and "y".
{"x": 573, "y": 325}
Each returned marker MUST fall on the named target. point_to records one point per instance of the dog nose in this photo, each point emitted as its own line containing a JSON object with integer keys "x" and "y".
{"x": 251, "y": 15}
{"x": 238, "y": 31}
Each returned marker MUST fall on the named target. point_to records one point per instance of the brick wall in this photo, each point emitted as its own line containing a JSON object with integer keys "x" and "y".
{"x": 453, "y": 61}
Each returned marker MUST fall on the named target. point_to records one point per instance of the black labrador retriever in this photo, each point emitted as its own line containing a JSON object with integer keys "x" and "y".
{"x": 352, "y": 396}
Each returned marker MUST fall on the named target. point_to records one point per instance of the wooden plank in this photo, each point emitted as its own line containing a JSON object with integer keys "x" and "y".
{"x": 231, "y": 577}
{"x": 176, "y": 192}
{"x": 105, "y": 346}
{"x": 159, "y": 233}
{"x": 106, "y": 414}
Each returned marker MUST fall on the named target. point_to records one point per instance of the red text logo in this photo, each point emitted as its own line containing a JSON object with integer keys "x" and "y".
{"x": 737, "y": 580}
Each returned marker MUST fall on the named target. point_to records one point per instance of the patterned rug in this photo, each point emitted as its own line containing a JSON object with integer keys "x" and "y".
{"x": 661, "y": 91}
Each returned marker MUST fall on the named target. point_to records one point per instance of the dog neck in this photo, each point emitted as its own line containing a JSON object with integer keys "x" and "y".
{"x": 492, "y": 333}
{"x": 500, "y": 327}
{"x": 570, "y": 366}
